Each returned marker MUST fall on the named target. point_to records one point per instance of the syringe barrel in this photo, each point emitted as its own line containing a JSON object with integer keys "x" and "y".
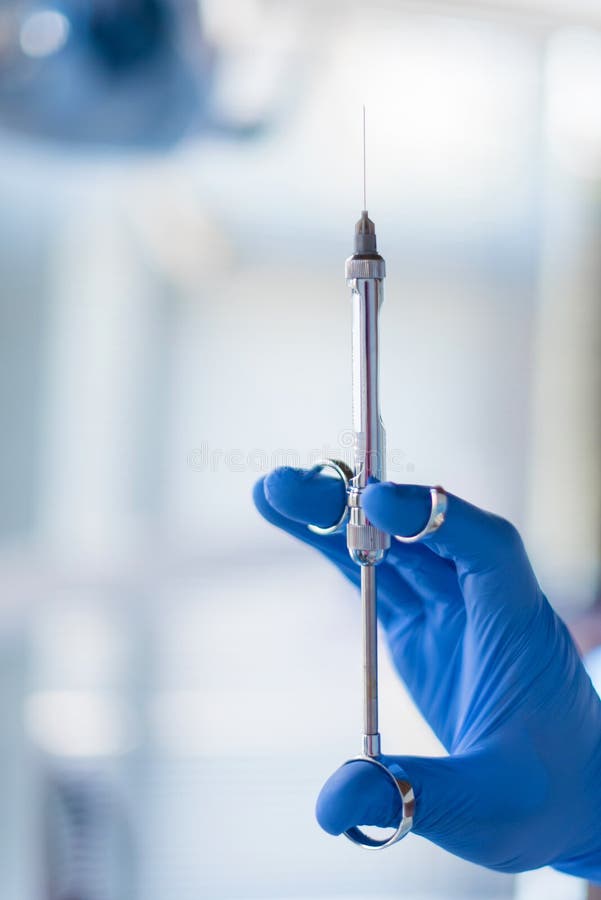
{"x": 365, "y": 273}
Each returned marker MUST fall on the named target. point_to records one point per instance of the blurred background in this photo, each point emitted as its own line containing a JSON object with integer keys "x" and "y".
{"x": 179, "y": 183}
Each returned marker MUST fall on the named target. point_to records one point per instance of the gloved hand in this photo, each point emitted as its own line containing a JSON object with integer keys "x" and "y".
{"x": 491, "y": 667}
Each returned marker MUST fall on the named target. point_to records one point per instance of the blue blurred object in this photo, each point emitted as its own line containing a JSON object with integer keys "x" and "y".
{"x": 99, "y": 72}
{"x": 124, "y": 35}
{"x": 491, "y": 667}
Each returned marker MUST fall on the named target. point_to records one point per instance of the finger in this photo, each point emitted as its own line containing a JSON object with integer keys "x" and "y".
{"x": 487, "y": 551}
{"x": 332, "y": 545}
{"x": 358, "y": 793}
{"x": 473, "y": 538}
{"x": 306, "y": 496}
{"x": 475, "y": 803}
{"x": 361, "y": 794}
{"x": 472, "y": 804}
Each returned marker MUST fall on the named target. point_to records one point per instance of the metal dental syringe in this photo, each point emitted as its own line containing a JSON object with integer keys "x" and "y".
{"x": 365, "y": 271}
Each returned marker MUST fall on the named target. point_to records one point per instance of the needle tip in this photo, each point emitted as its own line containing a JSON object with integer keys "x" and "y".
{"x": 364, "y": 165}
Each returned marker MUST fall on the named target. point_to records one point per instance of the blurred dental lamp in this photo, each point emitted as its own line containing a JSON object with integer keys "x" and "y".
{"x": 125, "y": 73}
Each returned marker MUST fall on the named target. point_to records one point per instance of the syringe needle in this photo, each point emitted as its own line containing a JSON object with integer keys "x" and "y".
{"x": 364, "y": 165}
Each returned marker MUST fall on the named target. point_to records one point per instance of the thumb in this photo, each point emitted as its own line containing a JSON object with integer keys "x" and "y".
{"x": 359, "y": 793}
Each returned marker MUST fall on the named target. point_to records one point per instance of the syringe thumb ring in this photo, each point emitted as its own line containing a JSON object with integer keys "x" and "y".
{"x": 407, "y": 798}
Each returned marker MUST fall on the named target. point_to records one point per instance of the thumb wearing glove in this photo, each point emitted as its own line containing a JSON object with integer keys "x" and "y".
{"x": 475, "y": 805}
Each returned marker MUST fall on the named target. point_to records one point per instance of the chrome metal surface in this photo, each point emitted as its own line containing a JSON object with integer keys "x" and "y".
{"x": 370, "y": 656}
{"x": 345, "y": 473}
{"x": 407, "y": 796}
{"x": 438, "y": 512}
{"x": 366, "y": 538}
{"x": 364, "y": 268}
{"x": 367, "y": 545}
{"x": 372, "y": 745}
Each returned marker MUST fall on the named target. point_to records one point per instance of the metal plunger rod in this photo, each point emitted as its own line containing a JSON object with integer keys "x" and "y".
{"x": 371, "y": 737}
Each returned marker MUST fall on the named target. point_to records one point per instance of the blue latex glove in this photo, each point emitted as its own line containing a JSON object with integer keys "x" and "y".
{"x": 491, "y": 667}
